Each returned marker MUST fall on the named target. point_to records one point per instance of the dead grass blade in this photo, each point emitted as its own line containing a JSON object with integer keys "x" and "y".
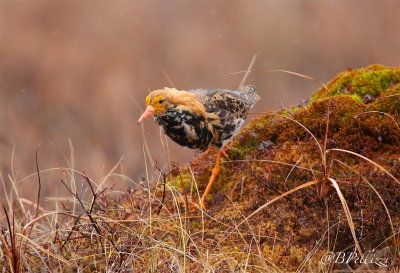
{"x": 298, "y": 123}
{"x": 143, "y": 133}
{"x": 39, "y": 182}
{"x": 279, "y": 197}
{"x": 380, "y": 112}
{"x": 246, "y": 75}
{"x": 7, "y": 252}
{"x": 377, "y": 193}
{"x": 100, "y": 186}
{"x": 166, "y": 75}
{"x": 348, "y": 215}
{"x": 283, "y": 71}
{"x": 59, "y": 258}
{"x": 366, "y": 159}
{"x": 71, "y": 173}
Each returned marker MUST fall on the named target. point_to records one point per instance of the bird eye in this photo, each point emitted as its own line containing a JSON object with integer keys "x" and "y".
{"x": 161, "y": 101}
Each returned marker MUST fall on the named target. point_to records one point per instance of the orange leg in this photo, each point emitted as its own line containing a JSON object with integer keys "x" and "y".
{"x": 213, "y": 177}
{"x": 225, "y": 149}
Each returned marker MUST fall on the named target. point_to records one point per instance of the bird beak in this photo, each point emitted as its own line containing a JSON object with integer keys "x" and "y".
{"x": 149, "y": 111}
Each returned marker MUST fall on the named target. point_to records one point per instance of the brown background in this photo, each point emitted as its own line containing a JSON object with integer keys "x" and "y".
{"x": 71, "y": 69}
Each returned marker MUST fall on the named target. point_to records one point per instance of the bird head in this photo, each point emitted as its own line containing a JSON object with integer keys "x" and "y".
{"x": 160, "y": 101}
{"x": 157, "y": 103}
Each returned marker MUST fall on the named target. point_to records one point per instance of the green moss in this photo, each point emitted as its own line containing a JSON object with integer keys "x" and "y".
{"x": 356, "y": 97}
{"x": 239, "y": 152}
{"x": 371, "y": 80}
{"x": 181, "y": 181}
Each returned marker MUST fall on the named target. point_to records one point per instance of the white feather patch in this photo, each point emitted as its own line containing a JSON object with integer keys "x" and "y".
{"x": 234, "y": 133}
{"x": 189, "y": 131}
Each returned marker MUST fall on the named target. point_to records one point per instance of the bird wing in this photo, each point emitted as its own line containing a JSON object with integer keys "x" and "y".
{"x": 232, "y": 101}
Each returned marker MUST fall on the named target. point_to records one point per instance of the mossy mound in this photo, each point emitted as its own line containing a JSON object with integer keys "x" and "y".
{"x": 279, "y": 151}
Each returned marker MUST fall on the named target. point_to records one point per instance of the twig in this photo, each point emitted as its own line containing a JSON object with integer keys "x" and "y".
{"x": 39, "y": 182}
{"x": 164, "y": 176}
{"x": 92, "y": 220}
{"x": 248, "y": 70}
{"x": 90, "y": 211}
{"x": 70, "y": 233}
{"x": 95, "y": 195}
{"x": 14, "y": 259}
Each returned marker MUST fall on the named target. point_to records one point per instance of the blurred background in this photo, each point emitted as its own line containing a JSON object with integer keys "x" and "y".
{"x": 70, "y": 71}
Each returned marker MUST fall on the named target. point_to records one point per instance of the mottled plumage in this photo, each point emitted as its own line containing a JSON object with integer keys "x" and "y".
{"x": 201, "y": 118}
{"x": 221, "y": 119}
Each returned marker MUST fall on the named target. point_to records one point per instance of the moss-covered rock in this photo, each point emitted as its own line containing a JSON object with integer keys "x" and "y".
{"x": 364, "y": 118}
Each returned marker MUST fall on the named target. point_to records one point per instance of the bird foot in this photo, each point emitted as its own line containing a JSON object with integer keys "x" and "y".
{"x": 223, "y": 152}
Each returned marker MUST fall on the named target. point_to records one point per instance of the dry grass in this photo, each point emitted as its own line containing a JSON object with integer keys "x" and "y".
{"x": 108, "y": 232}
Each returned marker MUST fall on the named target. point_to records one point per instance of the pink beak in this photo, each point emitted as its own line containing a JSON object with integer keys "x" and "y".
{"x": 149, "y": 111}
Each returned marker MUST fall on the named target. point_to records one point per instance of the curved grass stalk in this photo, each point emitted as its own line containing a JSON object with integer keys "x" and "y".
{"x": 380, "y": 112}
{"x": 279, "y": 197}
{"x": 366, "y": 159}
{"x": 376, "y": 192}
{"x": 348, "y": 214}
{"x": 59, "y": 258}
{"x": 298, "y": 123}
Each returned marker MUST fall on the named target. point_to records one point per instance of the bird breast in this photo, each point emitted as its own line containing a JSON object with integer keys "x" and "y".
{"x": 186, "y": 128}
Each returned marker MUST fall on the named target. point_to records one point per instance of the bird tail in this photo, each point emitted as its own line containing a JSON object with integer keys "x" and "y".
{"x": 250, "y": 91}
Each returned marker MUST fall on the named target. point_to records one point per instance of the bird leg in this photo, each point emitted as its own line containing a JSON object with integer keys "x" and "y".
{"x": 213, "y": 177}
{"x": 225, "y": 149}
